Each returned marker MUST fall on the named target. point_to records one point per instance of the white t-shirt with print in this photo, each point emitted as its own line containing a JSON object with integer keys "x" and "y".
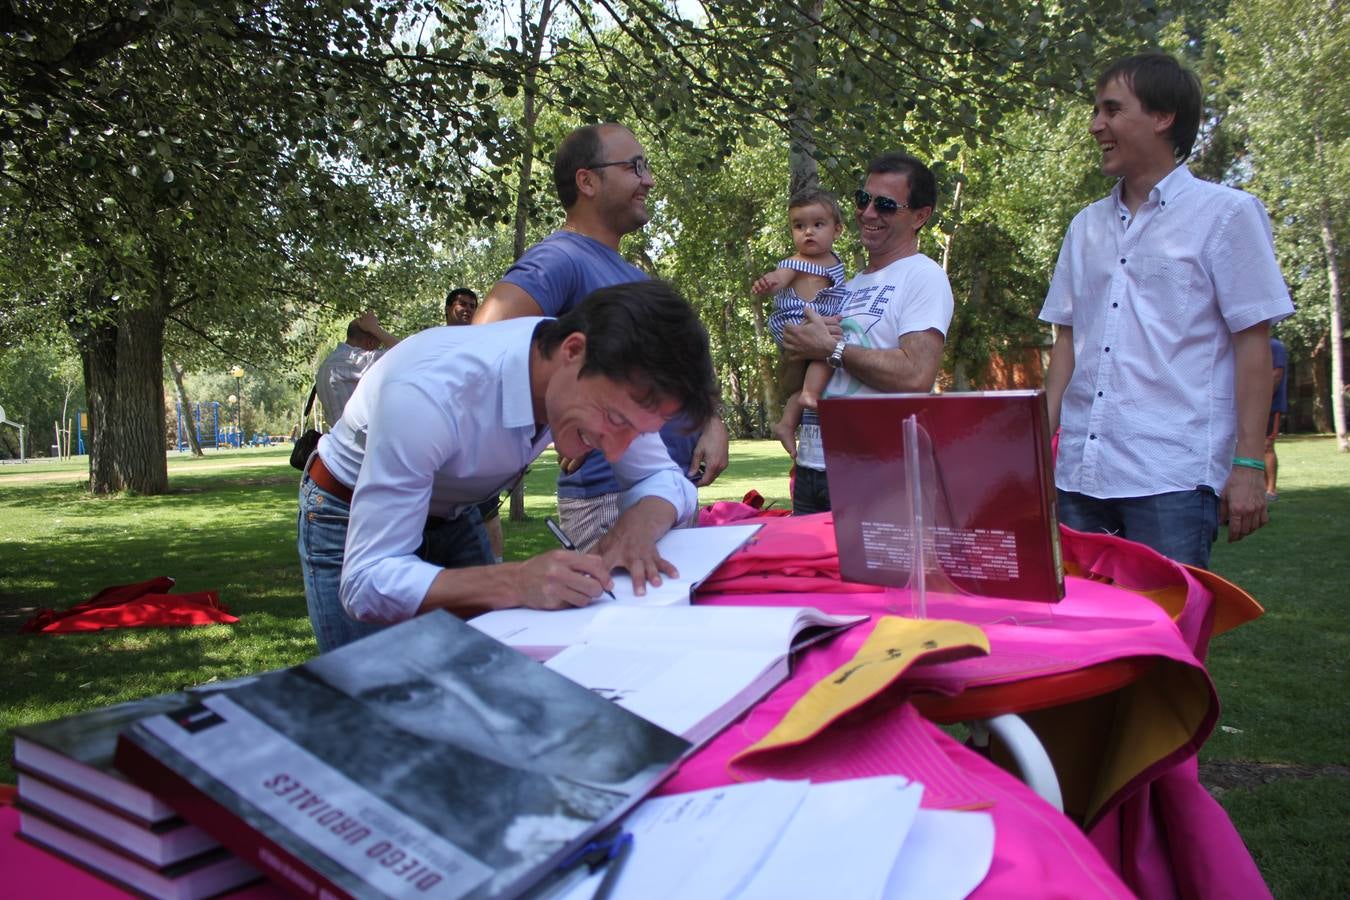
{"x": 910, "y": 294}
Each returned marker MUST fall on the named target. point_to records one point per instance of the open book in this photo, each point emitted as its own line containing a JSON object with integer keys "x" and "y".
{"x": 695, "y": 552}
{"x": 692, "y": 669}
{"x": 425, "y": 760}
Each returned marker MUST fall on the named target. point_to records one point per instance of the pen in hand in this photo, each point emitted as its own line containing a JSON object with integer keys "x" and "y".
{"x": 568, "y": 545}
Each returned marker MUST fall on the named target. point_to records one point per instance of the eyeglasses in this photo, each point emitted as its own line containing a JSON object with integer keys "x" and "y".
{"x": 638, "y": 164}
{"x": 884, "y": 205}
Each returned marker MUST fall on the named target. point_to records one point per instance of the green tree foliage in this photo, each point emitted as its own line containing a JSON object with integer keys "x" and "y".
{"x": 1000, "y": 228}
{"x": 41, "y": 389}
{"x": 214, "y": 169}
{"x": 216, "y": 179}
{"x": 1287, "y": 69}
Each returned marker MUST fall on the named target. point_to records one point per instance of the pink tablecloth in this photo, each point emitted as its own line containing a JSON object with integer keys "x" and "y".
{"x": 1153, "y": 830}
{"x": 1126, "y": 759}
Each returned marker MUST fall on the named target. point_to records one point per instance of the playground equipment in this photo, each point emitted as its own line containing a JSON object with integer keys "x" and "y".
{"x": 5, "y": 421}
{"x": 204, "y": 418}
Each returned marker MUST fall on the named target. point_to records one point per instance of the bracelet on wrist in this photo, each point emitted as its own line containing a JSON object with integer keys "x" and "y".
{"x": 1248, "y": 462}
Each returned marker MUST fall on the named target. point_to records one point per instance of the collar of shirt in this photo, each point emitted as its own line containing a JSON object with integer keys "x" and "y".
{"x": 1177, "y": 182}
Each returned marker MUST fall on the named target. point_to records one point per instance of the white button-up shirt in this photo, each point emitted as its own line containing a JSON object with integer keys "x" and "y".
{"x": 1153, "y": 301}
{"x": 442, "y": 421}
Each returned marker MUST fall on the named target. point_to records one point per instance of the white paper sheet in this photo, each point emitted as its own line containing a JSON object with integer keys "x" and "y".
{"x": 946, "y": 856}
{"x": 842, "y": 842}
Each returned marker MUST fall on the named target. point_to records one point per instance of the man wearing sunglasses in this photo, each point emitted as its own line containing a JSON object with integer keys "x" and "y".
{"x": 603, "y": 178}
{"x": 895, "y": 311}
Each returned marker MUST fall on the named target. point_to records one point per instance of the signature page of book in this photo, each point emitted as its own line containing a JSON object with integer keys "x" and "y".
{"x": 695, "y": 552}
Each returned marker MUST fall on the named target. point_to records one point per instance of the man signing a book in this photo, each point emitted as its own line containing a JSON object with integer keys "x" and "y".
{"x": 388, "y": 526}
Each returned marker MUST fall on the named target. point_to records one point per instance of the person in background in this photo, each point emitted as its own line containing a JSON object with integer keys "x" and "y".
{"x": 460, "y": 305}
{"x": 1163, "y": 298}
{"x": 1279, "y": 405}
{"x": 342, "y": 369}
{"x": 602, "y": 177}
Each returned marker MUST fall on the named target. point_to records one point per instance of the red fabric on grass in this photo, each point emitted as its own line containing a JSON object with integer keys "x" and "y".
{"x": 142, "y": 605}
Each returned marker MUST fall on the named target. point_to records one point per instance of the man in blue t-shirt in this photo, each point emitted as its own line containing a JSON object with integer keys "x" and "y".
{"x": 1279, "y": 405}
{"x": 602, "y": 178}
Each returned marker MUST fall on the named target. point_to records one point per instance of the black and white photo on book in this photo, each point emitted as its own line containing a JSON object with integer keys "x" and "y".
{"x": 426, "y": 760}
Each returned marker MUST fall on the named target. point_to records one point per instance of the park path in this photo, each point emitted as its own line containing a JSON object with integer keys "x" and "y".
{"x": 9, "y": 476}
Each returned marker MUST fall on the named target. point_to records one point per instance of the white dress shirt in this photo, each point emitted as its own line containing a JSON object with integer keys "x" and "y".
{"x": 442, "y": 421}
{"x": 1153, "y": 301}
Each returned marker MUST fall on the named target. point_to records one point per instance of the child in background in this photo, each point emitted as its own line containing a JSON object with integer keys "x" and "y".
{"x": 805, "y": 279}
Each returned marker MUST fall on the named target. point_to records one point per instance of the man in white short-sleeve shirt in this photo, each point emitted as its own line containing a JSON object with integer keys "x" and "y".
{"x": 1163, "y": 297}
{"x": 895, "y": 312}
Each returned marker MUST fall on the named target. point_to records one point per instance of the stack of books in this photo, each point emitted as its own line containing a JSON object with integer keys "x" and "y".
{"x": 426, "y": 760}
{"x": 74, "y": 803}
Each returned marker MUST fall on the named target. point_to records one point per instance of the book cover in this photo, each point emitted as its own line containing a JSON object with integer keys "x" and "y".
{"x": 75, "y": 753}
{"x": 989, "y": 510}
{"x": 427, "y": 760}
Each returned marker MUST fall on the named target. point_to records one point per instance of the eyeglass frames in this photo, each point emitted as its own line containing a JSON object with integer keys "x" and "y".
{"x": 886, "y": 206}
{"x": 638, "y": 164}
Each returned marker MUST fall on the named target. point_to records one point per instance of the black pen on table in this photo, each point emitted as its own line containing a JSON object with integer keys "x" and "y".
{"x": 618, "y": 855}
{"x": 567, "y": 544}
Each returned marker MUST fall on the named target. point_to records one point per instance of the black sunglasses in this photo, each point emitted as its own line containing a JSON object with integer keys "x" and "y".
{"x": 885, "y": 205}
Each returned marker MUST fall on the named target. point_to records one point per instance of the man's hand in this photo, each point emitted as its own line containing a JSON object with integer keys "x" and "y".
{"x": 773, "y": 282}
{"x": 814, "y": 338}
{"x": 570, "y": 464}
{"x": 631, "y": 543}
{"x": 561, "y": 579}
{"x": 1244, "y": 502}
{"x": 710, "y": 453}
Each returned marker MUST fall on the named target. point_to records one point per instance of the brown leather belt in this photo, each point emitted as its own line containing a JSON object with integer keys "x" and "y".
{"x": 319, "y": 474}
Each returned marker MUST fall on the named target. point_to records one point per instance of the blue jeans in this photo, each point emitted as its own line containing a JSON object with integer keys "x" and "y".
{"x": 810, "y": 492}
{"x": 321, "y": 537}
{"x": 1181, "y": 525}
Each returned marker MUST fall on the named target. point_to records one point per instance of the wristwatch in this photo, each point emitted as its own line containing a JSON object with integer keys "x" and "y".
{"x": 836, "y": 357}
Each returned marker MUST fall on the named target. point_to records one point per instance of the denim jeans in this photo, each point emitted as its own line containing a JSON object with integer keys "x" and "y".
{"x": 1181, "y": 525}
{"x": 321, "y": 537}
{"x": 810, "y": 492}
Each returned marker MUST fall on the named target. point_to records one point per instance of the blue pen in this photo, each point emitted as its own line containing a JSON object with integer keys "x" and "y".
{"x": 568, "y": 545}
{"x": 620, "y": 850}
{"x": 582, "y": 864}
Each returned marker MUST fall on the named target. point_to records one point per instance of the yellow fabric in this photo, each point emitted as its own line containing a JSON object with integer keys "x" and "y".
{"x": 894, "y": 645}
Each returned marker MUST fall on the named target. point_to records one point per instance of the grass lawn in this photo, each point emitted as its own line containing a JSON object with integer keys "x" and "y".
{"x": 1281, "y": 758}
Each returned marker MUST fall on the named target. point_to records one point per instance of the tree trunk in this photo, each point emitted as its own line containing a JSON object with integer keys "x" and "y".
{"x": 531, "y": 114}
{"x": 139, "y": 459}
{"x": 802, "y": 169}
{"x": 185, "y": 405}
{"x": 98, "y": 357}
{"x": 1337, "y": 333}
{"x": 1321, "y": 392}
{"x": 122, "y": 354}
